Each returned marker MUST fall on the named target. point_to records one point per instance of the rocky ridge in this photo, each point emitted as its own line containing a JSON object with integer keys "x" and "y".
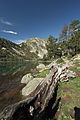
{"x": 34, "y": 48}
{"x": 37, "y": 46}
{"x": 10, "y": 50}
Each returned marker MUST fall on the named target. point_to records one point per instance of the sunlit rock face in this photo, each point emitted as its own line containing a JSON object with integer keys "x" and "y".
{"x": 31, "y": 86}
{"x": 37, "y": 46}
{"x": 26, "y": 78}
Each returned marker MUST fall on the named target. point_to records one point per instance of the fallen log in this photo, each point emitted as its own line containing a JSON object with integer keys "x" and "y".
{"x": 36, "y": 102}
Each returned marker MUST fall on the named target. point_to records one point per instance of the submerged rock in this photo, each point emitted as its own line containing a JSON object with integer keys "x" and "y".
{"x": 26, "y": 78}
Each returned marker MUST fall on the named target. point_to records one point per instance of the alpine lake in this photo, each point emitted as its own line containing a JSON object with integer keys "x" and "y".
{"x": 11, "y": 73}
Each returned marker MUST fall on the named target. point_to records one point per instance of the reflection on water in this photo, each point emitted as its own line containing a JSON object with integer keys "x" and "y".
{"x": 10, "y": 77}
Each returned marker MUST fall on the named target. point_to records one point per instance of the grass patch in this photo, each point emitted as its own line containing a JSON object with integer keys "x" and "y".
{"x": 60, "y": 61}
{"x": 76, "y": 67}
{"x": 43, "y": 74}
{"x": 69, "y": 92}
{"x": 70, "y": 97}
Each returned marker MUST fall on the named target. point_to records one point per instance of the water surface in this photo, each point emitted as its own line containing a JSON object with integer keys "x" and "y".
{"x": 10, "y": 77}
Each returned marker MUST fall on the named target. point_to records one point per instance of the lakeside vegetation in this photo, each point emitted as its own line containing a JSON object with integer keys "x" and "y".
{"x": 70, "y": 95}
{"x": 66, "y": 47}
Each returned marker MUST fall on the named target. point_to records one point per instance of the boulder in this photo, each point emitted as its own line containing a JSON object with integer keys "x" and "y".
{"x": 26, "y": 78}
{"x": 40, "y": 67}
{"x": 31, "y": 86}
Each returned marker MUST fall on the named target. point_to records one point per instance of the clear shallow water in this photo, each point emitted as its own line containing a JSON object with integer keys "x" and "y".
{"x": 10, "y": 77}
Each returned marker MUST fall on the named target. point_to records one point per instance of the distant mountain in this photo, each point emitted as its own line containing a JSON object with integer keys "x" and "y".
{"x": 34, "y": 48}
{"x": 10, "y": 50}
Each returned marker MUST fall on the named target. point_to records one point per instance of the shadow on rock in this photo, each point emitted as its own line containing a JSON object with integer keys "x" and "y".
{"x": 49, "y": 112}
{"x": 51, "y": 109}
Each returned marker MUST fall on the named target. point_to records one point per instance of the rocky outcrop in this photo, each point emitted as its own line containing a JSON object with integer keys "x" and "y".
{"x": 38, "y": 99}
{"x": 36, "y": 46}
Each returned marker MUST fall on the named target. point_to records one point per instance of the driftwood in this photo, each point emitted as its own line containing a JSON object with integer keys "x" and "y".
{"x": 36, "y": 102}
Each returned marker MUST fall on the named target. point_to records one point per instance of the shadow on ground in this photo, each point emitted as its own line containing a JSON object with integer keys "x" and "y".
{"x": 50, "y": 111}
{"x": 77, "y": 113}
{"x": 22, "y": 112}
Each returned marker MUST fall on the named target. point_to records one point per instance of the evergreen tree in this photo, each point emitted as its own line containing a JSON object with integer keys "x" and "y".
{"x": 50, "y": 47}
{"x": 64, "y": 33}
{"x": 74, "y": 26}
{"x": 69, "y": 41}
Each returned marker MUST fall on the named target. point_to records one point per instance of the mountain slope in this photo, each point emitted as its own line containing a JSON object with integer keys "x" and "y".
{"x": 34, "y": 48}
{"x": 10, "y": 50}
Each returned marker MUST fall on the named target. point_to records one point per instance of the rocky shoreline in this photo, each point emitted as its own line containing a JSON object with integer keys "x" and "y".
{"x": 34, "y": 89}
{"x": 32, "y": 81}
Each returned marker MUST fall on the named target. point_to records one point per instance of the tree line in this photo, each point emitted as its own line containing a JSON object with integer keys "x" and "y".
{"x": 68, "y": 43}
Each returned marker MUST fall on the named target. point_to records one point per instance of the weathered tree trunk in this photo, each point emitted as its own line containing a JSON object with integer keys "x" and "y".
{"x": 34, "y": 105}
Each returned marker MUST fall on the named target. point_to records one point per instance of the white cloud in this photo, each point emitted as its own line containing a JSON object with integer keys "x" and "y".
{"x": 5, "y": 22}
{"x": 9, "y": 31}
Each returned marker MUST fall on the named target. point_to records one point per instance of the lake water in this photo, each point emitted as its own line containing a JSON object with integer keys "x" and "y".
{"x": 10, "y": 76}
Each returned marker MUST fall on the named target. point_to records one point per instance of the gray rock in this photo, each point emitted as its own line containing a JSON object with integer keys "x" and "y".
{"x": 38, "y": 46}
{"x": 40, "y": 67}
{"x": 26, "y": 78}
{"x": 31, "y": 86}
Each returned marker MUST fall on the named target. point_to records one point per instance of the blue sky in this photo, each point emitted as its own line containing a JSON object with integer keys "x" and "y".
{"x": 23, "y": 19}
